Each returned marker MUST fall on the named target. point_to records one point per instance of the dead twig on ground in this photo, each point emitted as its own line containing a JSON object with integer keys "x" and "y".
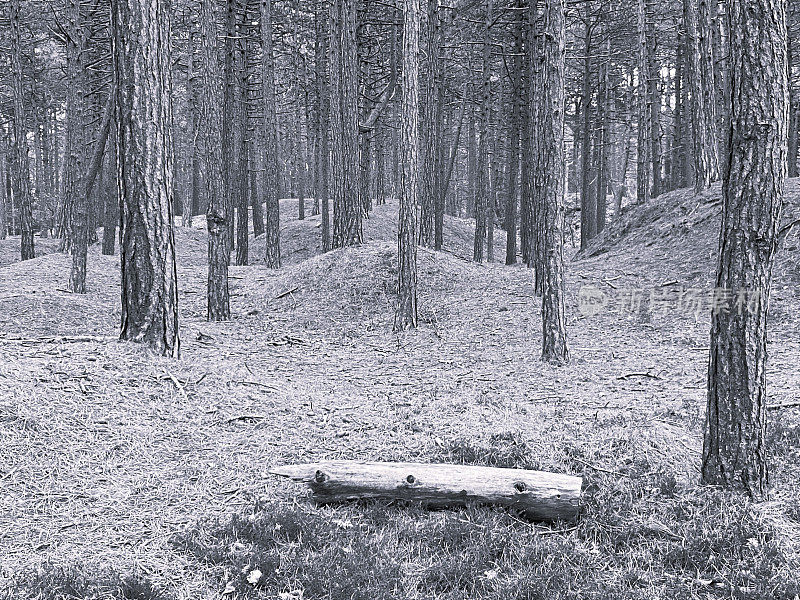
{"x": 629, "y": 375}
{"x": 784, "y": 405}
{"x": 286, "y": 293}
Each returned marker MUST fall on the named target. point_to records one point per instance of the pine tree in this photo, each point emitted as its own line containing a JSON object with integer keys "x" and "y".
{"x": 141, "y": 30}
{"x": 734, "y": 453}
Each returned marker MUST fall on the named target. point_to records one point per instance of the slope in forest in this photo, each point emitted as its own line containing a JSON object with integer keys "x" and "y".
{"x": 675, "y": 236}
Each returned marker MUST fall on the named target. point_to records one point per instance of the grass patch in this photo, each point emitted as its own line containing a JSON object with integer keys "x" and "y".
{"x": 506, "y": 449}
{"x": 52, "y": 582}
{"x": 638, "y": 538}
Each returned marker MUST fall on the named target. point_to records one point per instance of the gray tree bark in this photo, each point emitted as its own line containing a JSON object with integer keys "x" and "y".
{"x": 22, "y": 182}
{"x": 548, "y": 94}
{"x": 272, "y": 256}
{"x": 141, "y": 31}
{"x": 406, "y": 316}
{"x": 734, "y": 453}
{"x": 218, "y": 212}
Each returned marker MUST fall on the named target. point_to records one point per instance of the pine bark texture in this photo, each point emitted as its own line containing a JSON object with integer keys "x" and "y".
{"x": 644, "y": 144}
{"x": 514, "y": 142}
{"x": 700, "y": 77}
{"x": 588, "y": 200}
{"x": 144, "y": 155}
{"x": 548, "y": 93}
{"x": 654, "y": 102}
{"x": 406, "y": 317}
{"x": 22, "y": 183}
{"x": 272, "y": 256}
{"x": 242, "y": 134}
{"x": 482, "y": 166}
{"x": 75, "y": 198}
{"x": 347, "y": 212}
{"x": 734, "y": 454}
{"x": 217, "y": 212}
{"x": 322, "y": 157}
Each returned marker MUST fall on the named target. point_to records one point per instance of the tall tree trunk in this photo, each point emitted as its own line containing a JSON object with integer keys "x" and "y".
{"x": 272, "y": 256}
{"x": 548, "y": 90}
{"x": 604, "y": 102}
{"x": 230, "y": 125}
{"x": 4, "y": 198}
{"x": 322, "y": 159}
{"x": 719, "y": 66}
{"x": 513, "y": 140}
{"x": 644, "y": 145}
{"x": 432, "y": 133}
{"x": 193, "y": 196}
{"x": 701, "y": 83}
{"x": 141, "y": 30}
{"x": 654, "y": 92}
{"x": 472, "y": 162}
{"x": 299, "y": 113}
{"x": 734, "y": 452}
{"x": 255, "y": 119}
{"x": 243, "y": 207}
{"x": 218, "y": 212}
{"x": 406, "y": 316}
{"x": 482, "y": 198}
{"x": 347, "y": 213}
{"x": 111, "y": 215}
{"x": 794, "y": 116}
{"x": 526, "y": 233}
{"x": 380, "y": 163}
{"x": 452, "y": 155}
{"x": 22, "y": 182}
{"x": 588, "y": 200}
{"x": 94, "y": 169}
{"x": 679, "y": 142}
{"x": 76, "y": 199}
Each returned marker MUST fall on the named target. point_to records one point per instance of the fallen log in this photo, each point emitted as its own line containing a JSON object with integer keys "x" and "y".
{"x": 537, "y": 495}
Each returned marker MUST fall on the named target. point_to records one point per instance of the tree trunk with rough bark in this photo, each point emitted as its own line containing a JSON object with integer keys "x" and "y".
{"x": 141, "y": 30}
{"x": 218, "y": 212}
{"x": 322, "y": 150}
{"x": 22, "y": 182}
{"x": 585, "y": 129}
{"x": 548, "y": 94}
{"x": 272, "y": 256}
{"x": 482, "y": 167}
{"x": 654, "y": 102}
{"x": 734, "y": 452}
{"x": 701, "y": 97}
{"x": 644, "y": 145}
{"x": 347, "y": 213}
{"x": 243, "y": 168}
{"x": 513, "y": 140}
{"x": 406, "y": 316}
{"x": 75, "y": 199}
{"x": 604, "y": 110}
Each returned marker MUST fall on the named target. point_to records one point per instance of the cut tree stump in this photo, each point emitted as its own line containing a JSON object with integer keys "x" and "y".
{"x": 537, "y": 495}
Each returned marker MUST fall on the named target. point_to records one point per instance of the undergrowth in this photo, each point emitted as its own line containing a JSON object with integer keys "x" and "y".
{"x": 642, "y": 535}
{"x": 81, "y": 582}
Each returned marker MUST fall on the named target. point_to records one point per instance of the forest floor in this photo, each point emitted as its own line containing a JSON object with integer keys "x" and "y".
{"x": 115, "y": 463}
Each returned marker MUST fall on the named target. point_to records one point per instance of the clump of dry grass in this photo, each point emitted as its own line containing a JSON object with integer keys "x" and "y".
{"x": 84, "y": 582}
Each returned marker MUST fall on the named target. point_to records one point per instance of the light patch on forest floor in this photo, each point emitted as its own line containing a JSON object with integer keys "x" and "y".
{"x": 107, "y": 452}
